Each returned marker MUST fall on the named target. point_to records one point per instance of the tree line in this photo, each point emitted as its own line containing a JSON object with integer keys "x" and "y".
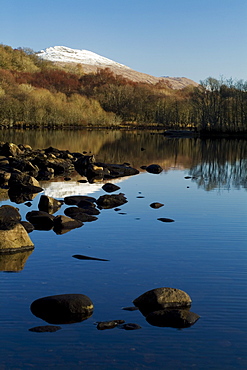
{"x": 36, "y": 93}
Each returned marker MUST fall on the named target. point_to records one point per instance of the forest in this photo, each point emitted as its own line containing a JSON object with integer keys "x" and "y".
{"x": 37, "y": 93}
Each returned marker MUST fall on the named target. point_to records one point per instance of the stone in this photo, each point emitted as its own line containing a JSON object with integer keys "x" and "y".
{"x": 130, "y": 326}
{"x": 23, "y": 182}
{"x": 82, "y": 257}
{"x": 62, "y": 223}
{"x": 24, "y": 165}
{"x": 28, "y": 226}
{"x": 15, "y": 240}
{"x": 163, "y": 219}
{"x": 49, "y": 204}
{"x": 41, "y": 220}
{"x": 79, "y": 214}
{"x": 10, "y": 149}
{"x": 73, "y": 200}
{"x": 172, "y": 318}
{"x": 156, "y": 205}
{"x": 90, "y": 210}
{"x": 102, "y": 325}
{"x": 63, "y": 308}
{"x": 45, "y": 329}
{"x": 4, "y": 177}
{"x": 161, "y": 298}
{"x": 111, "y": 201}
{"x": 110, "y": 188}
{"x": 154, "y": 168}
{"x": 9, "y": 217}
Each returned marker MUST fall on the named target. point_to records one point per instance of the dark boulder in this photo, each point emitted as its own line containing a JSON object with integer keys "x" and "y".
{"x": 41, "y": 220}
{"x": 24, "y": 165}
{"x": 73, "y": 200}
{"x": 27, "y": 226}
{"x": 110, "y": 188}
{"x": 79, "y": 214}
{"x": 116, "y": 170}
{"x": 111, "y": 201}
{"x": 154, "y": 168}
{"x": 63, "y": 309}
{"x": 10, "y": 149}
{"x": 22, "y": 182}
{"x": 62, "y": 224}
{"x": 102, "y": 325}
{"x": 172, "y": 318}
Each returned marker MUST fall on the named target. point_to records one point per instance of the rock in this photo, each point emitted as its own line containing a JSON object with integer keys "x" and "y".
{"x": 154, "y": 168}
{"x": 64, "y": 223}
{"x": 90, "y": 210}
{"x": 14, "y": 262}
{"x": 117, "y": 170}
{"x": 19, "y": 196}
{"x": 82, "y": 164}
{"x": 63, "y": 309}
{"x": 15, "y": 240}
{"x": 110, "y": 188}
{"x": 132, "y": 308}
{"x": 28, "y": 226}
{"x": 22, "y": 182}
{"x": 163, "y": 219}
{"x": 10, "y": 149}
{"x": 79, "y": 214}
{"x": 172, "y": 318}
{"x": 82, "y": 257}
{"x": 41, "y": 220}
{"x": 4, "y": 177}
{"x": 49, "y": 204}
{"x": 24, "y": 165}
{"x": 9, "y": 217}
{"x": 111, "y": 201}
{"x": 75, "y": 199}
{"x": 102, "y": 325}
{"x": 156, "y": 205}
{"x": 130, "y": 326}
{"x": 161, "y": 298}
{"x": 45, "y": 329}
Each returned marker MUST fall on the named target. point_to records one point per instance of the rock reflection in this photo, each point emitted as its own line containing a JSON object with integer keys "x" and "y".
{"x": 14, "y": 262}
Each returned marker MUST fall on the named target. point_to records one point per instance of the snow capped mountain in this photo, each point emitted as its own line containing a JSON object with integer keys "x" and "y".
{"x": 64, "y": 54}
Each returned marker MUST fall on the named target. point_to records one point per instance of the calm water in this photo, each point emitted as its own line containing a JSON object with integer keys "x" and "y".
{"x": 203, "y": 253}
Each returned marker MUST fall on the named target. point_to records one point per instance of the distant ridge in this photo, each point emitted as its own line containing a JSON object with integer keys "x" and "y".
{"x": 90, "y": 62}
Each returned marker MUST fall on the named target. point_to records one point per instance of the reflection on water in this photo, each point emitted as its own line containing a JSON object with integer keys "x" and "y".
{"x": 203, "y": 253}
{"x": 211, "y": 163}
{"x": 14, "y": 262}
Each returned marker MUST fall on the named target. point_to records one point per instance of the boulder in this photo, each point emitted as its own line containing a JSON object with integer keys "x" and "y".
{"x": 63, "y": 309}
{"x": 22, "y": 182}
{"x": 79, "y": 214}
{"x": 24, "y": 165}
{"x": 111, "y": 201}
{"x": 41, "y": 220}
{"x": 75, "y": 199}
{"x": 9, "y": 217}
{"x": 15, "y": 240}
{"x": 28, "y": 226}
{"x": 4, "y": 177}
{"x": 110, "y": 188}
{"x": 161, "y": 298}
{"x": 62, "y": 224}
{"x": 117, "y": 170}
{"x": 49, "y": 204}
{"x": 154, "y": 168}
{"x": 10, "y": 149}
{"x": 172, "y": 318}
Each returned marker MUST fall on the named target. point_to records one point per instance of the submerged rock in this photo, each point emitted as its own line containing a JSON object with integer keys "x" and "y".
{"x": 130, "y": 326}
{"x": 156, "y": 205}
{"x": 102, "y": 325}
{"x": 63, "y": 309}
{"x": 161, "y": 298}
{"x": 45, "y": 329}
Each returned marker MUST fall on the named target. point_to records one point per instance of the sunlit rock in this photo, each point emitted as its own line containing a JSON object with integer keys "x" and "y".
{"x": 15, "y": 240}
{"x": 161, "y": 298}
{"x": 14, "y": 262}
{"x": 63, "y": 309}
{"x": 49, "y": 204}
{"x": 172, "y": 318}
{"x": 10, "y": 149}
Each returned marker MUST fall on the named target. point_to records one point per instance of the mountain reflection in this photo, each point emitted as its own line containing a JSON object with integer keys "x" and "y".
{"x": 211, "y": 163}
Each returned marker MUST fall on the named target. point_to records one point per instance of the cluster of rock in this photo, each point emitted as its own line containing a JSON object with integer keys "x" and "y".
{"x": 163, "y": 307}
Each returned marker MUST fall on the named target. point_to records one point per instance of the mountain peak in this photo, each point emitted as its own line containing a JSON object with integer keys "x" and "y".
{"x": 63, "y": 54}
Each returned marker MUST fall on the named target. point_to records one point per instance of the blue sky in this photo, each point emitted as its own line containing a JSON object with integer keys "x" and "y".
{"x": 178, "y": 38}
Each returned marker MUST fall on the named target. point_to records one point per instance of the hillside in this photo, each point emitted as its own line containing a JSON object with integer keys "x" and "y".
{"x": 91, "y": 62}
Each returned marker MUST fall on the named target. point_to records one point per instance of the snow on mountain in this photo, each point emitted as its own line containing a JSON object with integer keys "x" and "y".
{"x": 64, "y": 54}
